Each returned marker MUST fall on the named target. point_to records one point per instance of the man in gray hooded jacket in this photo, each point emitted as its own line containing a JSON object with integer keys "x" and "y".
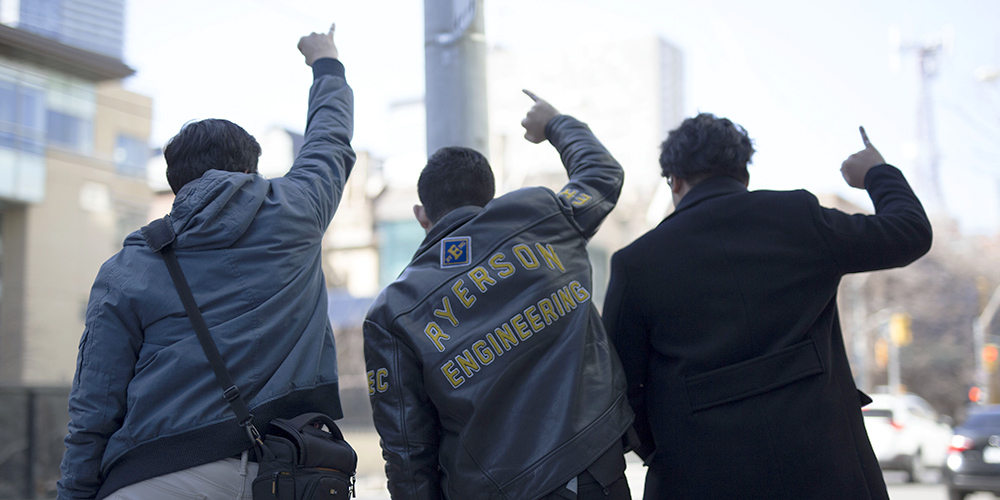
{"x": 148, "y": 419}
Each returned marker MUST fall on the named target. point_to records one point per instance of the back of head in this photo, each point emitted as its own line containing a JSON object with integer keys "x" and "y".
{"x": 706, "y": 146}
{"x": 454, "y": 177}
{"x": 211, "y": 144}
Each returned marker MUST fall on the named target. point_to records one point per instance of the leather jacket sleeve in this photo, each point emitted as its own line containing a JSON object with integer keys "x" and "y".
{"x": 595, "y": 177}
{"x": 404, "y": 416}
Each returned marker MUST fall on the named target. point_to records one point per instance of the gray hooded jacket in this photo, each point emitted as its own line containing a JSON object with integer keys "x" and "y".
{"x": 144, "y": 400}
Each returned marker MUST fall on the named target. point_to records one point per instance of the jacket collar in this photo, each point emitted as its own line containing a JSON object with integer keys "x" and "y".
{"x": 451, "y": 221}
{"x": 707, "y": 189}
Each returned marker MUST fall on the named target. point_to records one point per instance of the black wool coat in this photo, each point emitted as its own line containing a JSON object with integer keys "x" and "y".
{"x": 725, "y": 318}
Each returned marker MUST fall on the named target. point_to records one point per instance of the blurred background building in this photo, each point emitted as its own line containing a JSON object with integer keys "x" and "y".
{"x": 73, "y": 155}
{"x": 76, "y": 177}
{"x": 73, "y": 151}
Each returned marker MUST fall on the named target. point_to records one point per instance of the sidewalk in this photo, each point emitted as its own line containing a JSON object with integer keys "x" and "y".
{"x": 370, "y": 483}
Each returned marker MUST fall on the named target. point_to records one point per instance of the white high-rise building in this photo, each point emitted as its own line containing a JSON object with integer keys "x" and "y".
{"x": 628, "y": 90}
{"x": 93, "y": 25}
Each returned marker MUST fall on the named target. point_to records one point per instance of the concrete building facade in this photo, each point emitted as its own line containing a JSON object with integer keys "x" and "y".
{"x": 73, "y": 151}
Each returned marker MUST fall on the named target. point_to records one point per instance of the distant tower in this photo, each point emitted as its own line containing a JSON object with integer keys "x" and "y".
{"x": 928, "y": 156}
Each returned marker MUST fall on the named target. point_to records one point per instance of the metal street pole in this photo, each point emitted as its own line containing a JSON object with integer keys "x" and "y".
{"x": 455, "y": 75}
{"x": 982, "y": 378}
{"x": 879, "y": 323}
{"x": 895, "y": 378}
{"x": 982, "y": 330}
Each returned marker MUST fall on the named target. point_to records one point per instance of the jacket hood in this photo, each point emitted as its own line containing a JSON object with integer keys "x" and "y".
{"x": 214, "y": 211}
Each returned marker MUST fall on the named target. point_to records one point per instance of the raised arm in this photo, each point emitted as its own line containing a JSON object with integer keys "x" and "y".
{"x": 895, "y": 236}
{"x": 595, "y": 177}
{"x": 326, "y": 157}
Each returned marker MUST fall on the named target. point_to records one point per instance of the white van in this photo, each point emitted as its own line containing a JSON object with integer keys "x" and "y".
{"x": 907, "y": 434}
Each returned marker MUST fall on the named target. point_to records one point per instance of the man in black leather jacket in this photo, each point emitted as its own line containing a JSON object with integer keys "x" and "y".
{"x": 489, "y": 371}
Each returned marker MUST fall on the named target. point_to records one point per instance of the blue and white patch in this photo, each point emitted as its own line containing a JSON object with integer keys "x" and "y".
{"x": 456, "y": 251}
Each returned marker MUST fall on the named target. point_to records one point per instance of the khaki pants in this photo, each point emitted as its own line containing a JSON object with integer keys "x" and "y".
{"x": 228, "y": 479}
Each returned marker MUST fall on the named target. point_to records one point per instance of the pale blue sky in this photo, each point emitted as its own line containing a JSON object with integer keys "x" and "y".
{"x": 800, "y": 76}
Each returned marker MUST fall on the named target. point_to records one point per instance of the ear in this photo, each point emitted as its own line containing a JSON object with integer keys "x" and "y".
{"x": 677, "y": 186}
{"x": 421, "y": 215}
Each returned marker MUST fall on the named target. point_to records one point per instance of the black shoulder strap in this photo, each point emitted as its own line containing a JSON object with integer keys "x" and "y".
{"x": 159, "y": 235}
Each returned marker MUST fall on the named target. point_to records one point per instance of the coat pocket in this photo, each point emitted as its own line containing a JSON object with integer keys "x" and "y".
{"x": 753, "y": 376}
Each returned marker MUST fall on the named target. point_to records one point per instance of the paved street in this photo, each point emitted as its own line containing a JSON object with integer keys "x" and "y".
{"x": 371, "y": 478}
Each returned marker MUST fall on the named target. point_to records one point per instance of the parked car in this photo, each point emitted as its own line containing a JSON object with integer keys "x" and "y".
{"x": 907, "y": 434}
{"x": 973, "y": 462}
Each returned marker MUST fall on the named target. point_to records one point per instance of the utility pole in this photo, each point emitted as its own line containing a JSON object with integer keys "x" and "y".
{"x": 455, "y": 75}
{"x": 894, "y": 332}
{"x": 985, "y": 75}
{"x": 860, "y": 359}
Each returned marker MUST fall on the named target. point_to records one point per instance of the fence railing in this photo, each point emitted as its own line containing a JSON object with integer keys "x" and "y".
{"x": 33, "y": 424}
{"x": 32, "y": 427}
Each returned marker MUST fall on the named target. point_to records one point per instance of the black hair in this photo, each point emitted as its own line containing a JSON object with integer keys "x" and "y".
{"x": 211, "y": 144}
{"x": 454, "y": 177}
{"x": 706, "y": 146}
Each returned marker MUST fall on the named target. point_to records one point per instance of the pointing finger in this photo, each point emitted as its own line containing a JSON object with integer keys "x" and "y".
{"x": 864, "y": 137}
{"x": 530, "y": 94}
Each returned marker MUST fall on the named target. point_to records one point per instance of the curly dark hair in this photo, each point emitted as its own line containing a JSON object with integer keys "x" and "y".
{"x": 706, "y": 146}
{"x": 454, "y": 177}
{"x": 211, "y": 144}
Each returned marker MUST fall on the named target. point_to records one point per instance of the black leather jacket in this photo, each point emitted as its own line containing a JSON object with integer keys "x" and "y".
{"x": 489, "y": 371}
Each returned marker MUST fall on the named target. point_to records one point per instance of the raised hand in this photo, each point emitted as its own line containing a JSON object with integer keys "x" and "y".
{"x": 856, "y": 166}
{"x": 538, "y": 117}
{"x": 318, "y": 45}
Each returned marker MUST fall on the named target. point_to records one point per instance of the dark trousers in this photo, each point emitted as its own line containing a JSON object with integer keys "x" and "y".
{"x": 603, "y": 480}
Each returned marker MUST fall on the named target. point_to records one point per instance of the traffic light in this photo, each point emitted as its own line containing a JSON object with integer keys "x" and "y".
{"x": 975, "y": 393}
{"x": 899, "y": 329}
{"x": 881, "y": 353}
{"x": 990, "y": 358}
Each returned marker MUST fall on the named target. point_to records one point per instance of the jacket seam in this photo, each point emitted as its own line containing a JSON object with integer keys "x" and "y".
{"x": 582, "y": 435}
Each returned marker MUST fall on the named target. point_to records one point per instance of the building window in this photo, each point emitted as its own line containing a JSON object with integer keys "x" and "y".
{"x": 70, "y": 108}
{"x": 37, "y": 110}
{"x": 131, "y": 156}
{"x": 1, "y": 255}
{"x": 69, "y": 131}
{"x": 21, "y": 114}
{"x": 398, "y": 241}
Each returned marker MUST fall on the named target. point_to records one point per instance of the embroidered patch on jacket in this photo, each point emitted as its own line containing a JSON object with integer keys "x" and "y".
{"x": 456, "y": 251}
